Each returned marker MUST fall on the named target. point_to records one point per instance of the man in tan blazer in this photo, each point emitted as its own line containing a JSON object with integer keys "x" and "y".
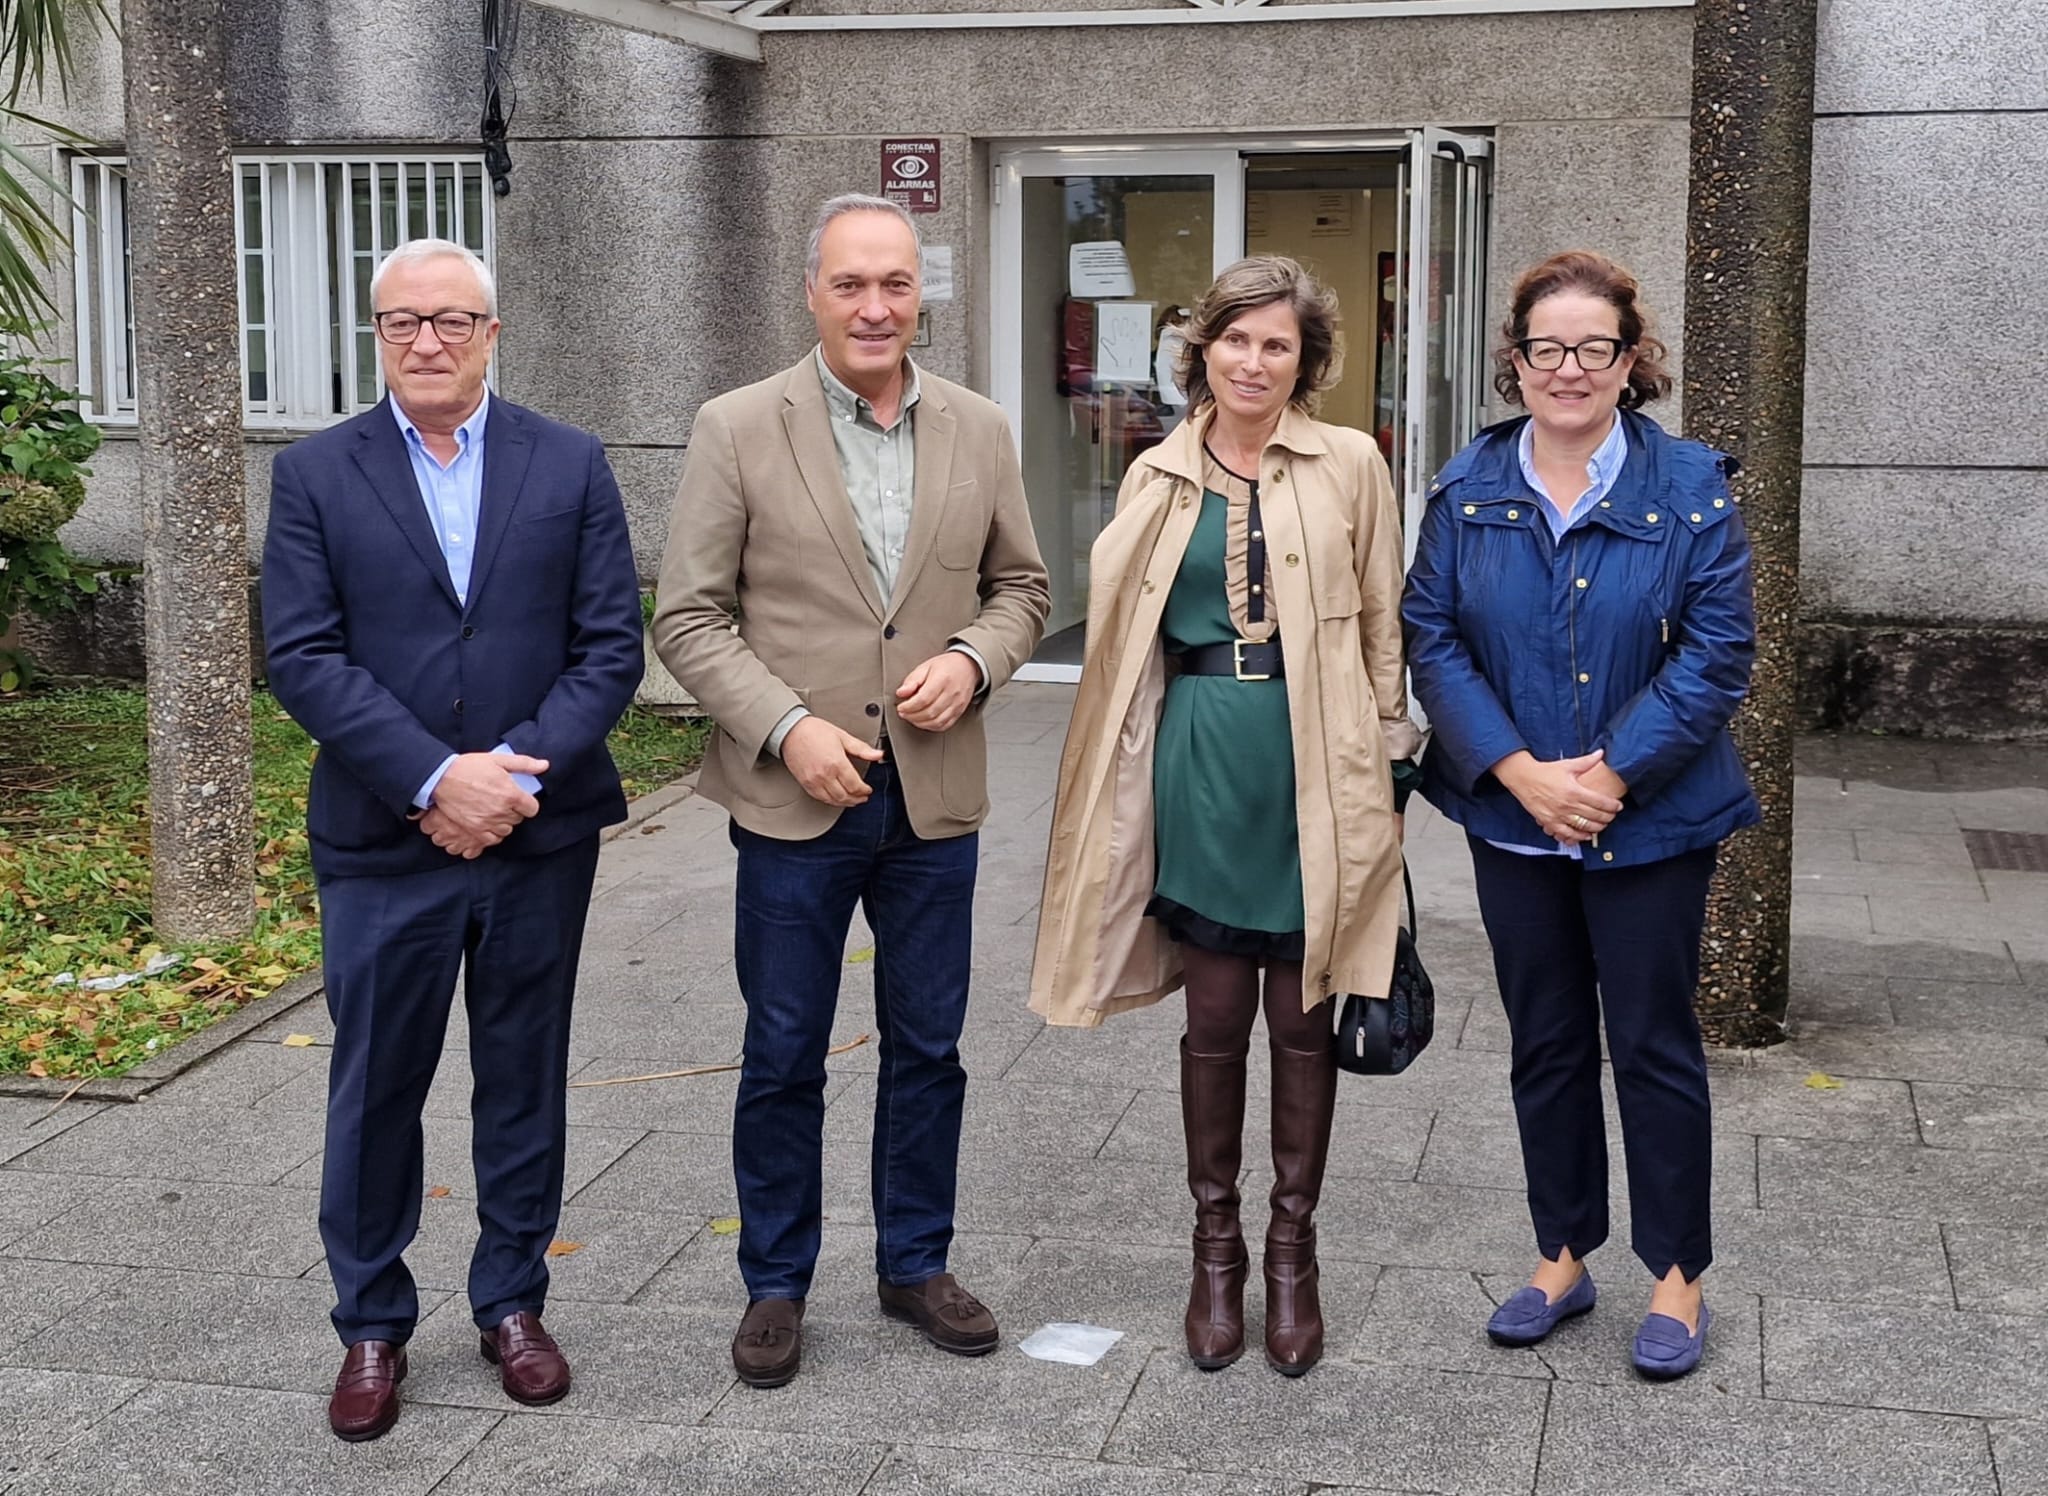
{"x": 850, "y": 571}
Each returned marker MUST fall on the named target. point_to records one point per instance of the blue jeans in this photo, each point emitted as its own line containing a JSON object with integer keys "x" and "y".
{"x": 794, "y": 903}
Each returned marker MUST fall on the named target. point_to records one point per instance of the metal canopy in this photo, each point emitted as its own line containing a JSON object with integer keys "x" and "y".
{"x": 734, "y": 27}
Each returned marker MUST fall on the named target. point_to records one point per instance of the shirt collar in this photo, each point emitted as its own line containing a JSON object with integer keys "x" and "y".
{"x": 1602, "y": 468}
{"x": 846, "y": 404}
{"x": 467, "y": 435}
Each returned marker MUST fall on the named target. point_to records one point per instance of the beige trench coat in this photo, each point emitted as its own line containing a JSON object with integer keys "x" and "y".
{"x": 1333, "y": 536}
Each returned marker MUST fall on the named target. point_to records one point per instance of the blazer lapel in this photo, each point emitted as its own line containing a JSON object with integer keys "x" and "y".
{"x": 382, "y": 456}
{"x": 809, "y": 425}
{"x": 932, "y": 429}
{"x": 508, "y": 448}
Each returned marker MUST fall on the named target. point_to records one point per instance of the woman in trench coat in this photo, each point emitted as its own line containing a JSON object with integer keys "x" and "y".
{"x": 1226, "y": 806}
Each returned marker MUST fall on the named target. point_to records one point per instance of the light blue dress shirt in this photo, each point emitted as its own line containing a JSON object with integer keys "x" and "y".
{"x": 454, "y": 496}
{"x": 1603, "y": 468}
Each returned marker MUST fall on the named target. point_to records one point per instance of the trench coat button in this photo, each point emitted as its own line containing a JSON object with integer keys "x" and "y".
{"x": 1185, "y": 501}
{"x": 873, "y": 710}
{"x": 1148, "y": 584}
{"x": 1651, "y": 516}
{"x": 1514, "y": 514}
{"x": 1582, "y": 581}
{"x": 1607, "y": 857}
{"x": 1720, "y": 503}
{"x": 1471, "y": 508}
{"x": 1695, "y": 519}
{"x": 1585, "y": 679}
{"x": 1292, "y": 559}
{"x": 1280, "y": 475}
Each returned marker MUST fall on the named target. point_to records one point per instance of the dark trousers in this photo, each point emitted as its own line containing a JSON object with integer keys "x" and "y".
{"x": 795, "y": 902}
{"x": 514, "y": 927}
{"x": 1570, "y": 945}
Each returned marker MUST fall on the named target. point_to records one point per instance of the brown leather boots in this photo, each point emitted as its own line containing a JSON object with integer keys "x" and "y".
{"x": 1212, "y": 1112}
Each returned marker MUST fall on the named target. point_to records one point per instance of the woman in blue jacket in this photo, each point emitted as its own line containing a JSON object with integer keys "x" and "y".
{"x": 1580, "y": 630}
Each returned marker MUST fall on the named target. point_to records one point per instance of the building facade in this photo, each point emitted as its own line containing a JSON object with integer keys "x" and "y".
{"x": 1082, "y": 167}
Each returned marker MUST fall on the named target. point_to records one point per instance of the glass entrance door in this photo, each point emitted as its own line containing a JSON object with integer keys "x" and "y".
{"x": 1446, "y": 308}
{"x": 1097, "y": 257}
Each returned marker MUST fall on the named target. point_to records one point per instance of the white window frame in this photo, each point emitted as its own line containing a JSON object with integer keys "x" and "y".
{"x": 312, "y": 326}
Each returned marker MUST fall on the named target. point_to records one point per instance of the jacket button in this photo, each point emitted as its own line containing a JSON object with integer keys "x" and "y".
{"x": 458, "y": 706}
{"x": 1514, "y": 514}
{"x": 1471, "y": 508}
{"x": 1720, "y": 503}
{"x": 1651, "y": 516}
{"x": 1695, "y": 519}
{"x": 1607, "y": 857}
{"x": 873, "y": 710}
{"x": 1606, "y": 504}
{"x": 468, "y": 632}
{"x": 889, "y": 631}
{"x": 1582, "y": 581}
{"x": 1584, "y": 679}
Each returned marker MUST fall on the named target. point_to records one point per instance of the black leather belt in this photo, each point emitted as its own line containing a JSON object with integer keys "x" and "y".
{"x": 1238, "y": 657}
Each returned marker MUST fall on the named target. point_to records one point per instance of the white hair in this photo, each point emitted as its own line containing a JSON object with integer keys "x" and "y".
{"x": 853, "y": 202}
{"x": 418, "y": 251}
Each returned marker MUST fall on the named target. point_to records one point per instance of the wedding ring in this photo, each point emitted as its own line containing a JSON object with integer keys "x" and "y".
{"x": 1580, "y": 822}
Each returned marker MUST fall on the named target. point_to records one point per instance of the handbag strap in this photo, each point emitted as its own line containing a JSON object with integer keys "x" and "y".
{"x": 1408, "y": 884}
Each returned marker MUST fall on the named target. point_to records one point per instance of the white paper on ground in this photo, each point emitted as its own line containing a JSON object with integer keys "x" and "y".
{"x": 1069, "y": 1344}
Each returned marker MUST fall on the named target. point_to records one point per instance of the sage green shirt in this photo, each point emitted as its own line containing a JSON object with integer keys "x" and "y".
{"x": 880, "y": 468}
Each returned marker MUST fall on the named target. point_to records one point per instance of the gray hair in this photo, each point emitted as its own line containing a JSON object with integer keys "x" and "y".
{"x": 854, "y": 202}
{"x": 418, "y": 251}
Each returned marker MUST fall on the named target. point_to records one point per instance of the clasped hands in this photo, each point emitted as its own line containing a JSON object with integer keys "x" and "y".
{"x": 477, "y": 804}
{"x": 1572, "y": 799}
{"x": 827, "y": 760}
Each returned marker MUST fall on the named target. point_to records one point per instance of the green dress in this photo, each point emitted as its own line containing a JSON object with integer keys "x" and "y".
{"x": 1229, "y": 851}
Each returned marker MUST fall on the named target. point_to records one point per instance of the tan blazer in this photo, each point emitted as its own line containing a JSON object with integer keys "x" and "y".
{"x": 1334, "y": 543}
{"x": 766, "y": 599}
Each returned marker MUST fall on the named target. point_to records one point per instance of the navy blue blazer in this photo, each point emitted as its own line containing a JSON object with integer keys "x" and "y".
{"x": 372, "y": 654}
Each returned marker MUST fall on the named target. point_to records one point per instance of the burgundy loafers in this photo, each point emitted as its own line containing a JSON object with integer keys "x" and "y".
{"x": 365, "y": 1401}
{"x": 531, "y": 1367}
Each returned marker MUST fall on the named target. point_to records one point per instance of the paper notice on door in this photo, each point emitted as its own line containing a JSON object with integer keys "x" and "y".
{"x": 1100, "y": 268}
{"x": 1123, "y": 342}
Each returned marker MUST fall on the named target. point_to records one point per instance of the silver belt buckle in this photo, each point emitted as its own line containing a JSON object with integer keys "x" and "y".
{"x": 1237, "y": 647}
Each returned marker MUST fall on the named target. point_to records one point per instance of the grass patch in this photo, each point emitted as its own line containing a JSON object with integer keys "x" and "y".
{"x": 75, "y": 879}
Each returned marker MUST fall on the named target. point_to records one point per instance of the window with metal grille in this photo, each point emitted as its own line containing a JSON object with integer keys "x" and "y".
{"x": 310, "y": 231}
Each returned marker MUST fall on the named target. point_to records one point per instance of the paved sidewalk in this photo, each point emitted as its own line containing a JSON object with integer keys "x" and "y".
{"x": 1881, "y": 1285}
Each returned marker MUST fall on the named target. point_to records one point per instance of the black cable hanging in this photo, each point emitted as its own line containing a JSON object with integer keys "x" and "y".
{"x": 501, "y": 96}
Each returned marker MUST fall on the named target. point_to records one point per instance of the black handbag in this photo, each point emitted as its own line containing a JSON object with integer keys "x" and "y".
{"x": 1383, "y": 1035}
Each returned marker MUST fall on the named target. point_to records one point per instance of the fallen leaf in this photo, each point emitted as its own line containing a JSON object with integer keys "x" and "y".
{"x": 296, "y": 1041}
{"x": 1821, "y": 1081}
{"x": 726, "y": 1226}
{"x": 864, "y": 954}
{"x": 37, "y": 1069}
{"x": 438, "y": 1192}
{"x": 560, "y": 1248}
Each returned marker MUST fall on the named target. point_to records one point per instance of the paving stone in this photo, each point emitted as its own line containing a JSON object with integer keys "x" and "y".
{"x": 939, "y": 1472}
{"x": 217, "y": 1228}
{"x": 1113, "y": 1054}
{"x": 2004, "y": 1271}
{"x": 1599, "y": 1441}
{"x": 1404, "y": 1429}
{"x": 1922, "y": 1184}
{"x": 44, "y": 1412}
{"x": 1842, "y": 914}
{"x": 1990, "y": 1117}
{"x": 1944, "y": 885}
{"x": 1832, "y": 998}
{"x": 691, "y": 1174}
{"x": 591, "y": 1151}
{"x": 448, "y": 1097}
{"x": 1774, "y": 1104}
{"x": 28, "y": 1124}
{"x": 174, "y": 1440}
{"x": 600, "y": 1454}
{"x": 1103, "y": 1199}
{"x": 642, "y": 1364}
{"x": 201, "y": 1327}
{"x": 241, "y": 1075}
{"x": 1894, "y": 956}
{"x": 1955, "y": 1055}
{"x": 35, "y": 1295}
{"x": 1993, "y": 1007}
{"x": 1810, "y": 1255}
{"x": 1438, "y": 1319}
{"x": 1925, "y": 1360}
{"x": 1367, "y": 1141}
{"x": 309, "y": 1017}
{"x": 988, "y": 1046}
{"x": 155, "y": 1140}
{"x": 2020, "y": 1450}
{"x": 1908, "y": 913}
{"x": 1914, "y": 848}
{"x": 1468, "y": 1148}
{"x": 27, "y": 1200}
{"x": 1143, "y": 1291}
{"x": 857, "y": 1380}
{"x": 1004, "y": 1116}
{"x": 703, "y": 1032}
{"x": 616, "y": 1251}
{"x": 1426, "y": 1225}
{"x": 698, "y": 1103}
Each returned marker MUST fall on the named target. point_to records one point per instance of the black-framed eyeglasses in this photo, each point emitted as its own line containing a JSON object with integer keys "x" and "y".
{"x": 1593, "y": 355}
{"x": 449, "y": 327}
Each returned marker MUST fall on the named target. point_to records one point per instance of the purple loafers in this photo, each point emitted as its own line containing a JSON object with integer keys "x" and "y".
{"x": 1665, "y": 1349}
{"x": 1531, "y": 1314}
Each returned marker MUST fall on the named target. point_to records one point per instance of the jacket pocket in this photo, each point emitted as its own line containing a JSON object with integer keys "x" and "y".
{"x": 1336, "y": 594}
{"x": 963, "y": 527}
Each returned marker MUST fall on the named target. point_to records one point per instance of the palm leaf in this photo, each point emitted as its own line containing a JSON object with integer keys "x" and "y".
{"x": 35, "y": 40}
{"x": 29, "y": 233}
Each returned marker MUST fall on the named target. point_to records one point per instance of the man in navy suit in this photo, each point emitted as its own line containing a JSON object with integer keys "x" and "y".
{"x": 451, "y": 610}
